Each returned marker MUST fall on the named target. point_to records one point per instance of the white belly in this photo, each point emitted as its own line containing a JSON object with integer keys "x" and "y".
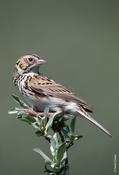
{"x": 52, "y": 103}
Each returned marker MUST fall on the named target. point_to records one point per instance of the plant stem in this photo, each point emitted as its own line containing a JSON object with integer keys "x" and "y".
{"x": 64, "y": 170}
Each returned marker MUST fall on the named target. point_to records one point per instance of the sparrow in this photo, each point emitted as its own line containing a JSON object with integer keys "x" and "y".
{"x": 40, "y": 92}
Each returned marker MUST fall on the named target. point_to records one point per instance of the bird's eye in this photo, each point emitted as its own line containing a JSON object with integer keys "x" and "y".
{"x": 30, "y": 59}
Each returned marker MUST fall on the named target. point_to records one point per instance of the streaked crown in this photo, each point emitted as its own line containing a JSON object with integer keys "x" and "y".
{"x": 29, "y": 63}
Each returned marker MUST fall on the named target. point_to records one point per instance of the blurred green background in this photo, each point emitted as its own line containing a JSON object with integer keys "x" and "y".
{"x": 80, "y": 40}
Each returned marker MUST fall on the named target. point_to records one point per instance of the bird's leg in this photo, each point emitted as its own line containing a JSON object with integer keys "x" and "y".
{"x": 33, "y": 112}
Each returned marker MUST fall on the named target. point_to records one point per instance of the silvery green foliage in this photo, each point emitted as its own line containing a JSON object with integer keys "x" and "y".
{"x": 58, "y": 132}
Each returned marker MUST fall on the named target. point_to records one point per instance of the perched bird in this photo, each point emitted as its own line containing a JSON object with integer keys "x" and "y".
{"x": 43, "y": 92}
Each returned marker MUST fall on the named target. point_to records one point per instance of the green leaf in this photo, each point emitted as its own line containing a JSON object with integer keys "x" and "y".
{"x": 58, "y": 116}
{"x": 60, "y": 152}
{"x": 12, "y": 111}
{"x": 44, "y": 119}
{"x": 50, "y": 121}
{"x": 72, "y": 125}
{"x": 31, "y": 118}
{"x": 27, "y": 118}
{"x": 20, "y": 102}
{"x": 37, "y": 126}
{"x": 38, "y": 133}
{"x": 43, "y": 122}
{"x": 45, "y": 157}
{"x": 54, "y": 144}
{"x": 65, "y": 131}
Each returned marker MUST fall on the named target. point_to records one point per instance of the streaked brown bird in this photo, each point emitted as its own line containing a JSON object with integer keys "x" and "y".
{"x": 42, "y": 92}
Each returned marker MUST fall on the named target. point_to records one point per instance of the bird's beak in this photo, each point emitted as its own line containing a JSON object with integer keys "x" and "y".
{"x": 41, "y": 61}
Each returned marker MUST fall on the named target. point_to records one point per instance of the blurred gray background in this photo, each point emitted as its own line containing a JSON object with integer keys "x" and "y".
{"x": 80, "y": 40}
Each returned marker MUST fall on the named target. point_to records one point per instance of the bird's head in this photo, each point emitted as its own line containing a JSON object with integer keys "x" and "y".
{"x": 28, "y": 63}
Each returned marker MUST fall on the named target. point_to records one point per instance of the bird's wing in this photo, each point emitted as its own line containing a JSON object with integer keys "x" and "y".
{"x": 42, "y": 86}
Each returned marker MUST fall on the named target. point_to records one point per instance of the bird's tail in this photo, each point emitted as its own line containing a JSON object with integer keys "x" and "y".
{"x": 88, "y": 117}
